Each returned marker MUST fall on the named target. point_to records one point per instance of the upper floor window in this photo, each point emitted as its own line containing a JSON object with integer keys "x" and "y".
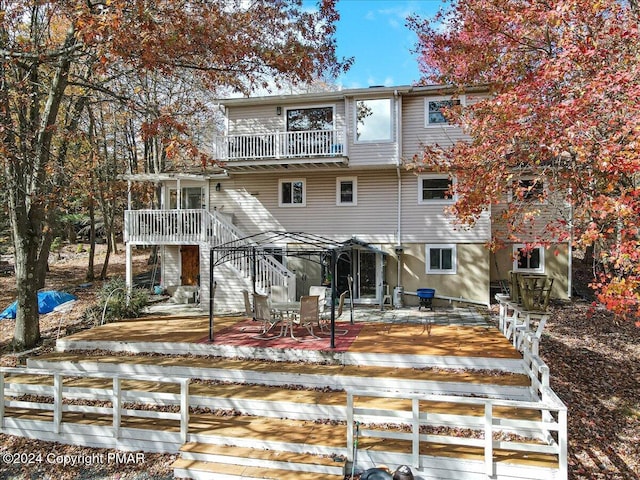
{"x": 292, "y": 193}
{"x": 373, "y": 120}
{"x": 528, "y": 189}
{"x": 435, "y": 107}
{"x": 528, "y": 259}
{"x": 346, "y": 191}
{"x": 190, "y": 198}
{"x": 434, "y": 188}
{"x": 441, "y": 258}
{"x": 309, "y": 119}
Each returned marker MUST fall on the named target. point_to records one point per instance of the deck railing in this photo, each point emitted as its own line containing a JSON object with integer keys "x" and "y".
{"x": 275, "y": 145}
{"x": 482, "y": 430}
{"x": 62, "y": 395}
{"x": 177, "y": 227}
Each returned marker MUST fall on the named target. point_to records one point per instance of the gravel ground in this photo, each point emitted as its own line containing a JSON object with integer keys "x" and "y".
{"x": 594, "y": 362}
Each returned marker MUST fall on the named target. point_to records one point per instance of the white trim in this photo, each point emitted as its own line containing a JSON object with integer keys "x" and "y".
{"x": 462, "y": 99}
{"x": 441, "y": 246}
{"x": 354, "y": 181}
{"x": 439, "y": 201}
{"x": 285, "y": 113}
{"x": 390, "y": 138}
{"x": 515, "y": 248}
{"x": 184, "y": 184}
{"x": 281, "y": 181}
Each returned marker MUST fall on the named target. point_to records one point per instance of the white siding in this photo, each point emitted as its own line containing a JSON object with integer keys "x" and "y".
{"x": 431, "y": 223}
{"x": 370, "y": 153}
{"x": 252, "y": 202}
{"x": 170, "y": 265}
{"x": 415, "y": 133}
{"x": 264, "y": 119}
{"x": 255, "y": 205}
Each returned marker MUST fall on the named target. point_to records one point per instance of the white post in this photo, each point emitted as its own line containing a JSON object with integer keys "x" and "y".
{"x": 128, "y": 268}
{"x": 562, "y": 444}
{"x": 415, "y": 410}
{"x": 116, "y": 406}
{"x": 184, "y": 409}
{"x": 57, "y": 402}
{"x": 1, "y": 399}
{"x": 488, "y": 438}
{"x": 350, "y": 426}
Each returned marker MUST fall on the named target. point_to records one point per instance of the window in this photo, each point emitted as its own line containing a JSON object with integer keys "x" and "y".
{"x": 529, "y": 189}
{"x": 373, "y": 120}
{"x": 434, "y": 188}
{"x": 292, "y": 193}
{"x": 346, "y": 191}
{"x": 309, "y": 119}
{"x": 434, "y": 108}
{"x": 190, "y": 198}
{"x": 441, "y": 258}
{"x": 528, "y": 259}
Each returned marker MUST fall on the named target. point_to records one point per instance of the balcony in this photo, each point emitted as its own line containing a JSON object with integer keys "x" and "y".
{"x": 279, "y": 148}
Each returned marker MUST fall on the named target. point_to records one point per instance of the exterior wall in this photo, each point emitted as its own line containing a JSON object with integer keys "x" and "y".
{"x": 430, "y": 222}
{"x": 471, "y": 280}
{"x": 170, "y": 265}
{"x": 369, "y": 154}
{"x": 556, "y": 266}
{"x": 252, "y": 202}
{"x": 416, "y": 133}
{"x": 539, "y": 215}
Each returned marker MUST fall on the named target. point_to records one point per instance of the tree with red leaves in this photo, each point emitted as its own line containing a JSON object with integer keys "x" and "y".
{"x": 56, "y": 55}
{"x": 564, "y": 105}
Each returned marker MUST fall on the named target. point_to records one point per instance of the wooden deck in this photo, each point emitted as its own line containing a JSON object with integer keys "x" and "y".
{"x": 412, "y": 343}
{"x": 291, "y": 406}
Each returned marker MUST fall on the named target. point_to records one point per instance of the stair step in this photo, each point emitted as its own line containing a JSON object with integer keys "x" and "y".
{"x": 218, "y": 365}
{"x": 256, "y": 457}
{"x": 221, "y": 471}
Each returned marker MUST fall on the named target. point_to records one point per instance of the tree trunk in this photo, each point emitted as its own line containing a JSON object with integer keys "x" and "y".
{"x": 28, "y": 278}
{"x": 105, "y": 265}
{"x": 92, "y": 240}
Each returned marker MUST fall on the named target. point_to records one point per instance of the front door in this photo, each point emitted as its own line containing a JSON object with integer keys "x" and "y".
{"x": 190, "y": 265}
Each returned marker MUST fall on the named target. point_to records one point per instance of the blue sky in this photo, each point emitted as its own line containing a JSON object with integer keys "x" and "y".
{"x": 374, "y": 33}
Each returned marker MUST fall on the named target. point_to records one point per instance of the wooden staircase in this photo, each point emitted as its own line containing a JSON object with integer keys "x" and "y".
{"x": 244, "y": 419}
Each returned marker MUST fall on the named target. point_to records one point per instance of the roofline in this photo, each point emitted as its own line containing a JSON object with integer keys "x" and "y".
{"x": 354, "y": 92}
{"x": 168, "y": 176}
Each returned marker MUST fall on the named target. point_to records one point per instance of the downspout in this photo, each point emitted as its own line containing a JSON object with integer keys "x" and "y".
{"x": 398, "y": 104}
{"x": 570, "y": 251}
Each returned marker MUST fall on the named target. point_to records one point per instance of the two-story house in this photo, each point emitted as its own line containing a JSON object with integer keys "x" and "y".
{"x": 331, "y": 164}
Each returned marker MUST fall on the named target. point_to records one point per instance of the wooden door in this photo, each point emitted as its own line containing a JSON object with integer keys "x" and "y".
{"x": 190, "y": 265}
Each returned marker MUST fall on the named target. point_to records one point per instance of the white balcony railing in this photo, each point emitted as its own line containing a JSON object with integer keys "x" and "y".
{"x": 177, "y": 227}
{"x": 276, "y": 145}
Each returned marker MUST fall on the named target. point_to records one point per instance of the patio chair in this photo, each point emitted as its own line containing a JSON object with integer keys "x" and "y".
{"x": 263, "y": 314}
{"x": 325, "y": 323}
{"x": 309, "y": 315}
{"x": 248, "y": 309}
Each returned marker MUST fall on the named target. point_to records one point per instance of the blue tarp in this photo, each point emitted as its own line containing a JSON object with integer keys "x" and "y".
{"x": 47, "y": 301}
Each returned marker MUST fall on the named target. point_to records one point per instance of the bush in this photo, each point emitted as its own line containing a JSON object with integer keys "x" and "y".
{"x": 113, "y": 294}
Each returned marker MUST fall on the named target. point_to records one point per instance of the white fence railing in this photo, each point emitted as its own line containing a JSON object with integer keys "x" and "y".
{"x": 479, "y": 430}
{"x": 274, "y": 145}
{"x": 167, "y": 226}
{"x": 62, "y": 394}
{"x": 177, "y": 227}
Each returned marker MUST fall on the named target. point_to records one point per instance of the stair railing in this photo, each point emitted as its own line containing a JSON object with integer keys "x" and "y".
{"x": 268, "y": 271}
